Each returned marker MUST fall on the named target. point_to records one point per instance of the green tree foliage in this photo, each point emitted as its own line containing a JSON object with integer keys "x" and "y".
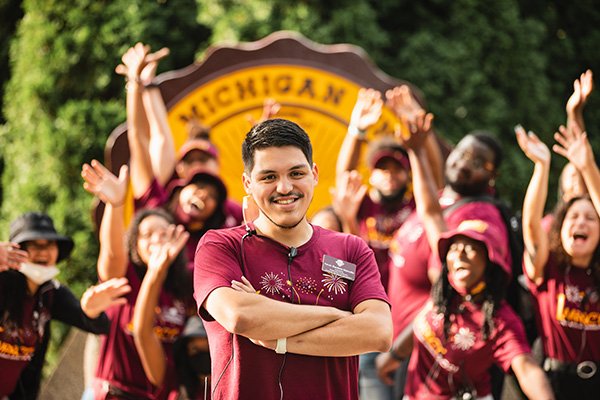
{"x": 63, "y": 99}
{"x": 336, "y": 21}
{"x": 570, "y": 43}
{"x": 10, "y": 14}
{"x": 481, "y": 65}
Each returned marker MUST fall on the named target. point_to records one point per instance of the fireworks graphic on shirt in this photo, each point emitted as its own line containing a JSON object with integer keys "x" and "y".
{"x": 464, "y": 339}
{"x": 334, "y": 283}
{"x": 574, "y": 295}
{"x": 306, "y": 285}
{"x": 271, "y": 283}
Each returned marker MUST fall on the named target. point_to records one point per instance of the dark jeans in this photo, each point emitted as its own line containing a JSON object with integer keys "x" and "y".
{"x": 400, "y": 379}
{"x": 567, "y": 385}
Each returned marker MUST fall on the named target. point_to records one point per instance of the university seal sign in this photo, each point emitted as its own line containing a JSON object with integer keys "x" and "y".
{"x": 315, "y": 84}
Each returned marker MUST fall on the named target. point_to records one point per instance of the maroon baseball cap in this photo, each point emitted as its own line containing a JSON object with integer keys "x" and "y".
{"x": 387, "y": 148}
{"x": 483, "y": 232}
{"x": 200, "y": 144}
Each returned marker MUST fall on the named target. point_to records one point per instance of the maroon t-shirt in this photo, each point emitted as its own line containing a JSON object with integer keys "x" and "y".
{"x": 567, "y": 308}
{"x": 378, "y": 223}
{"x": 440, "y": 366}
{"x": 410, "y": 259}
{"x": 17, "y": 345}
{"x": 547, "y": 222}
{"x": 157, "y": 196}
{"x": 243, "y": 370}
{"x": 119, "y": 362}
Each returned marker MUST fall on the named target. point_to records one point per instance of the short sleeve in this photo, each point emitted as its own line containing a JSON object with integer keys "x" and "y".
{"x": 510, "y": 339}
{"x": 155, "y": 196}
{"x": 216, "y": 264}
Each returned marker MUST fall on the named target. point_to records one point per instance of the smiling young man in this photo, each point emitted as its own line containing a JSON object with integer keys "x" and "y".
{"x": 287, "y": 305}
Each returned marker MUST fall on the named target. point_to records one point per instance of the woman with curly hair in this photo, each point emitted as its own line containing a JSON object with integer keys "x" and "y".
{"x": 136, "y": 356}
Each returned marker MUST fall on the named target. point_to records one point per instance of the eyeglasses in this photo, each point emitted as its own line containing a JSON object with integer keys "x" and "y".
{"x": 477, "y": 162}
{"x": 159, "y": 233}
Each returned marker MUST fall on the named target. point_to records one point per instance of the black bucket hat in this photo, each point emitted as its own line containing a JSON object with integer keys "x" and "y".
{"x": 35, "y": 226}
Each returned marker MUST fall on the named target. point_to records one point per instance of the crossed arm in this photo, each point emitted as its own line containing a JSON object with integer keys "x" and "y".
{"x": 310, "y": 330}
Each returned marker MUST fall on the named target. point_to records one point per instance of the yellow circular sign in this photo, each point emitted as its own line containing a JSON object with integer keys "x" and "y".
{"x": 319, "y": 101}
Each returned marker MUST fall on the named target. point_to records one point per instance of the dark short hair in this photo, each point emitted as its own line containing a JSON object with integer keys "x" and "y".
{"x": 492, "y": 143}
{"x": 274, "y": 133}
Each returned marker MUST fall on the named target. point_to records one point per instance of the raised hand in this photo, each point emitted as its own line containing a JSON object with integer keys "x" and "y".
{"x": 532, "y": 146}
{"x": 367, "y": 109}
{"x": 11, "y": 256}
{"x": 419, "y": 127}
{"x": 347, "y": 196}
{"x": 402, "y": 102}
{"x": 133, "y": 62}
{"x": 582, "y": 88}
{"x": 270, "y": 109}
{"x": 574, "y": 145}
{"x": 98, "y": 298}
{"x": 100, "y": 182}
{"x": 163, "y": 253}
{"x": 136, "y": 59}
{"x": 149, "y": 70}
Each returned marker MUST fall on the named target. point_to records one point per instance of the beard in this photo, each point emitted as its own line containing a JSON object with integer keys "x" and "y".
{"x": 392, "y": 198}
{"x": 283, "y": 226}
{"x": 469, "y": 189}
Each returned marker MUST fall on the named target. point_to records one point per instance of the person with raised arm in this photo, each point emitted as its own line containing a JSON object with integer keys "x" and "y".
{"x": 563, "y": 268}
{"x": 123, "y": 371}
{"x": 30, "y": 298}
{"x": 570, "y": 182}
{"x": 466, "y": 326}
{"x": 374, "y": 213}
{"x": 198, "y": 201}
{"x": 471, "y": 170}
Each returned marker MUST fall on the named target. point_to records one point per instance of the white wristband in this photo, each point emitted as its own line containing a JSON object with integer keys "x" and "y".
{"x": 353, "y": 130}
{"x": 281, "y": 346}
